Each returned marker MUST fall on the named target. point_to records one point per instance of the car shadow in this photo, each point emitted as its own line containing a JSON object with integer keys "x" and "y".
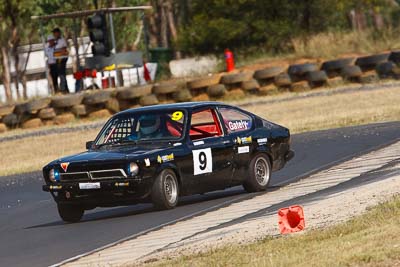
{"x": 126, "y": 211}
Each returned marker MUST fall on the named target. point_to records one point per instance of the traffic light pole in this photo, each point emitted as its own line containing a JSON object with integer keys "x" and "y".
{"x": 78, "y": 63}
{"x": 110, "y": 18}
{"x": 146, "y": 37}
{"x": 114, "y": 49}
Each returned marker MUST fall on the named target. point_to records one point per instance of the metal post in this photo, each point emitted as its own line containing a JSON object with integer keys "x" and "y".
{"x": 49, "y": 89}
{"x": 110, "y": 18}
{"x": 114, "y": 50}
{"x": 78, "y": 84}
{"x": 78, "y": 63}
{"x": 145, "y": 37}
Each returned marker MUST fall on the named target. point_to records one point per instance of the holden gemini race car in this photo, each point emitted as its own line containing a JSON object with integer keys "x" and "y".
{"x": 159, "y": 153}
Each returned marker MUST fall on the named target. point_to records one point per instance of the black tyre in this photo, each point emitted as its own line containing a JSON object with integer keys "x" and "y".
{"x": 64, "y": 101}
{"x": 268, "y": 73}
{"x": 70, "y": 213}
{"x": 7, "y": 109}
{"x": 350, "y": 72}
{"x": 251, "y": 85}
{"x": 283, "y": 80}
{"x": 385, "y": 69}
{"x": 233, "y": 78}
{"x": 37, "y": 104}
{"x": 134, "y": 92}
{"x": 216, "y": 90}
{"x": 395, "y": 57}
{"x": 182, "y": 96}
{"x": 317, "y": 76}
{"x": 336, "y": 64}
{"x": 47, "y": 114}
{"x": 20, "y": 108}
{"x": 165, "y": 190}
{"x": 148, "y": 100}
{"x": 298, "y": 72}
{"x": 204, "y": 82}
{"x": 98, "y": 97}
{"x": 11, "y": 120}
{"x": 161, "y": 89}
{"x": 259, "y": 174}
{"x": 80, "y": 110}
{"x": 370, "y": 62}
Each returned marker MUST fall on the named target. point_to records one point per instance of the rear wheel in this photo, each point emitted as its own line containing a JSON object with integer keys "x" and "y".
{"x": 70, "y": 213}
{"x": 165, "y": 190}
{"x": 259, "y": 174}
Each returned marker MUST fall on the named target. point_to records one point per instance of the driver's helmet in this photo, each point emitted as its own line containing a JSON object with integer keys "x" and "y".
{"x": 149, "y": 124}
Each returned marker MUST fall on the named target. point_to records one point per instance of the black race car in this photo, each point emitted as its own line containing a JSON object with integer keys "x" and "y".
{"x": 159, "y": 153}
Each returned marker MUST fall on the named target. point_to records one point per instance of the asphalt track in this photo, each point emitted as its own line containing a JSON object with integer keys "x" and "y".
{"x": 33, "y": 235}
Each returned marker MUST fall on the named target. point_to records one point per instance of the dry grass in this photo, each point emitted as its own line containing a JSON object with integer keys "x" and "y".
{"x": 300, "y": 115}
{"x": 369, "y": 240}
{"x": 324, "y": 112}
{"x": 30, "y": 154}
{"x": 333, "y": 44}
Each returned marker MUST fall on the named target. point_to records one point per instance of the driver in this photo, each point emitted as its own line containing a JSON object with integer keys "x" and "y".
{"x": 150, "y": 126}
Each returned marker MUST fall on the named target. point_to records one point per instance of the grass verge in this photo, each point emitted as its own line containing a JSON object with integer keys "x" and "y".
{"x": 299, "y": 115}
{"x": 371, "y": 239}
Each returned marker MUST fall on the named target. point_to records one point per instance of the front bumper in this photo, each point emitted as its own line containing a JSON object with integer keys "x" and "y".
{"x": 108, "y": 185}
{"x": 110, "y": 192}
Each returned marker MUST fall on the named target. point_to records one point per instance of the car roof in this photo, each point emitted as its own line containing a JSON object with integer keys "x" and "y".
{"x": 183, "y": 105}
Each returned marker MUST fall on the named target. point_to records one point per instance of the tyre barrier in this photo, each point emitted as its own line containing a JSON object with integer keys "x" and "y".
{"x": 299, "y": 72}
{"x": 90, "y": 104}
{"x": 334, "y": 67}
{"x": 370, "y": 62}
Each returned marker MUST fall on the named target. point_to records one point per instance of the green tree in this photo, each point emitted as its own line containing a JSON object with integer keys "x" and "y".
{"x": 15, "y": 18}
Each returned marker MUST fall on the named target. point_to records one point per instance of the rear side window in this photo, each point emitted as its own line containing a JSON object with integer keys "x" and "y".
{"x": 204, "y": 124}
{"x": 235, "y": 121}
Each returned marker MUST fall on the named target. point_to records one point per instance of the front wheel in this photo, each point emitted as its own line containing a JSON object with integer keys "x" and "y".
{"x": 165, "y": 190}
{"x": 70, "y": 213}
{"x": 259, "y": 174}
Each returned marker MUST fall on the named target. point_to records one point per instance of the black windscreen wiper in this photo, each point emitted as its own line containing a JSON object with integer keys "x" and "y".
{"x": 104, "y": 144}
{"x": 133, "y": 142}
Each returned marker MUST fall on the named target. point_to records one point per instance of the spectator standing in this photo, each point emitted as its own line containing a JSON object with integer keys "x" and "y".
{"x": 61, "y": 56}
{"x": 51, "y": 61}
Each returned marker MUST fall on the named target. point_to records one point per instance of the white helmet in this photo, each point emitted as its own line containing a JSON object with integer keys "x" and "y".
{"x": 149, "y": 124}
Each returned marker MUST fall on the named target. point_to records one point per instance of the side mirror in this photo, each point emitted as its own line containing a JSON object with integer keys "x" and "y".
{"x": 89, "y": 144}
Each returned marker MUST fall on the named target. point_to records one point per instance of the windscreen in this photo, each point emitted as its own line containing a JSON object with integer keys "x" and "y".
{"x": 162, "y": 125}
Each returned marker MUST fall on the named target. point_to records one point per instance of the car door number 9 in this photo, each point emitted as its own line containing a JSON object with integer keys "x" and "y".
{"x": 202, "y": 161}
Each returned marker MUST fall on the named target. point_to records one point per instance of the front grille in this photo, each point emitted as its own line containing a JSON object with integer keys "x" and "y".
{"x": 74, "y": 176}
{"x": 93, "y": 175}
{"x": 107, "y": 174}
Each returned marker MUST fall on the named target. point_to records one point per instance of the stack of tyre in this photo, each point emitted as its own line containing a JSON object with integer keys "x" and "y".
{"x": 301, "y": 77}
{"x": 270, "y": 80}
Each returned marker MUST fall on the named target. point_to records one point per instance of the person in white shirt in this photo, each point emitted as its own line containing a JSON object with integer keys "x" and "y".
{"x": 61, "y": 56}
{"x": 51, "y": 61}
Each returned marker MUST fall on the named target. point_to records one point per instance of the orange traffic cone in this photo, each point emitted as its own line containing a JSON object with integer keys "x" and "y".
{"x": 291, "y": 219}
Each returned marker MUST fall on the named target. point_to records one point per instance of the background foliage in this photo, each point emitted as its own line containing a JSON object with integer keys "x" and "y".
{"x": 192, "y": 27}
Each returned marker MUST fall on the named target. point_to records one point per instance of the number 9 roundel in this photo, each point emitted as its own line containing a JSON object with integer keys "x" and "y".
{"x": 202, "y": 161}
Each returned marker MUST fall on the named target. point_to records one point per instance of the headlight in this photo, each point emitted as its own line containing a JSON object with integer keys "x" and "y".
{"x": 133, "y": 169}
{"x": 54, "y": 175}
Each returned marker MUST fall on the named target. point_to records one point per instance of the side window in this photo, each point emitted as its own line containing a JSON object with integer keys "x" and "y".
{"x": 204, "y": 124}
{"x": 235, "y": 121}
